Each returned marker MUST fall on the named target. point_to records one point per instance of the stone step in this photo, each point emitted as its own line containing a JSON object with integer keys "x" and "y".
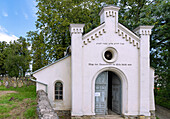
{"x": 105, "y": 117}
{"x": 100, "y": 117}
{"x": 108, "y": 117}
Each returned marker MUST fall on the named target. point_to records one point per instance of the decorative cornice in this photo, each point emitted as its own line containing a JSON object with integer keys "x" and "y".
{"x": 76, "y": 28}
{"x": 95, "y": 33}
{"x": 143, "y": 30}
{"x": 128, "y": 35}
{"x": 108, "y": 8}
{"x": 110, "y": 13}
{"x": 122, "y": 31}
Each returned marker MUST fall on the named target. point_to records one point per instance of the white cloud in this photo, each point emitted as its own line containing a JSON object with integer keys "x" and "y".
{"x": 4, "y": 14}
{"x": 2, "y": 29}
{"x": 4, "y": 36}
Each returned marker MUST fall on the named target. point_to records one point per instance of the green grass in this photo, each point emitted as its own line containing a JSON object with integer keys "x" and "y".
{"x": 30, "y": 113}
{"x": 6, "y": 108}
{"x": 26, "y": 95}
{"x": 27, "y": 92}
{"x": 5, "y": 116}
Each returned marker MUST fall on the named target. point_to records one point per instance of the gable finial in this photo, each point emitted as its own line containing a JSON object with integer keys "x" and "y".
{"x": 109, "y": 15}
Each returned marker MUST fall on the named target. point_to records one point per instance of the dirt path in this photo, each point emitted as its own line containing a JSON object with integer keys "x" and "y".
{"x": 20, "y": 109}
{"x": 6, "y": 92}
{"x": 162, "y": 112}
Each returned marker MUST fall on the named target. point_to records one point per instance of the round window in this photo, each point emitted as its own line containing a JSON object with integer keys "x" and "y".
{"x": 110, "y": 55}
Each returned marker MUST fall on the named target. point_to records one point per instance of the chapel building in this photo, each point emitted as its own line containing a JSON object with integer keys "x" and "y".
{"x": 106, "y": 69}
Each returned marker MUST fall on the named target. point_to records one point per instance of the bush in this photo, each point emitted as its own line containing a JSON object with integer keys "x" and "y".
{"x": 162, "y": 101}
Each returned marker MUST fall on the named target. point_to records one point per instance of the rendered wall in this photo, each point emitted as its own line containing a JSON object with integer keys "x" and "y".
{"x": 59, "y": 71}
{"x": 127, "y": 62}
{"x": 152, "y": 100}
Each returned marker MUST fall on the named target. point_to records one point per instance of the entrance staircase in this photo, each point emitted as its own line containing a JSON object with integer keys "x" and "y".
{"x": 107, "y": 117}
{"x": 111, "y": 115}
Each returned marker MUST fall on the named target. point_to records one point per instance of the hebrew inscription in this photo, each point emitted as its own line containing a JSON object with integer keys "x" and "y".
{"x": 110, "y": 43}
{"x": 106, "y": 64}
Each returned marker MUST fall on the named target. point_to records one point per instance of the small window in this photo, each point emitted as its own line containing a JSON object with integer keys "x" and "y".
{"x": 58, "y": 91}
{"x": 110, "y": 55}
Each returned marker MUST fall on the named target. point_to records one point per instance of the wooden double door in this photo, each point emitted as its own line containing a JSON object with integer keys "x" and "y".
{"x": 107, "y": 93}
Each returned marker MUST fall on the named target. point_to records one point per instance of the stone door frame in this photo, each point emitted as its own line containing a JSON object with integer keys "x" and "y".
{"x": 124, "y": 84}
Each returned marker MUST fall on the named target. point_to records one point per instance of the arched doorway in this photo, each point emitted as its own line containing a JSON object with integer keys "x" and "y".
{"x": 107, "y": 93}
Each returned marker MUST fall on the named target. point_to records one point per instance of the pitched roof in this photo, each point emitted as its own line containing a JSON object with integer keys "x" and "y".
{"x": 52, "y": 63}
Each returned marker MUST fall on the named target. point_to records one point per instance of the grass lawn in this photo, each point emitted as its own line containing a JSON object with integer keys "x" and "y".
{"x": 18, "y": 103}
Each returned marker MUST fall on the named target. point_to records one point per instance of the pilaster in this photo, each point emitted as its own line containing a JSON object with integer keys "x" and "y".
{"x": 144, "y": 32}
{"x": 76, "y": 31}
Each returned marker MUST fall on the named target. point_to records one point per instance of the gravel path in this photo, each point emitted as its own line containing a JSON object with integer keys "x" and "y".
{"x": 162, "y": 112}
{"x": 6, "y": 92}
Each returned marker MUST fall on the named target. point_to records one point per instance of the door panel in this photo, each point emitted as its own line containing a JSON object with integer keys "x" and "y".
{"x": 116, "y": 95}
{"x": 101, "y": 88}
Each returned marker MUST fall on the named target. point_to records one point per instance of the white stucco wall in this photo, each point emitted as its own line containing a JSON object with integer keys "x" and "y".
{"x": 59, "y": 71}
{"x": 127, "y": 54}
{"x": 152, "y": 100}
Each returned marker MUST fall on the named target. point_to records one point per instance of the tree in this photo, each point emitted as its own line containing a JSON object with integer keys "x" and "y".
{"x": 155, "y": 12}
{"x": 160, "y": 50}
{"x": 39, "y": 50}
{"x": 54, "y": 18}
{"x": 3, "y": 45}
{"x": 17, "y": 58}
{"x": 24, "y": 53}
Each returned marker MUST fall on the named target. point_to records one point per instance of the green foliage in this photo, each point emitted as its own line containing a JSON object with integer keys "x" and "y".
{"x": 163, "y": 101}
{"x": 3, "y": 45}
{"x": 160, "y": 42}
{"x": 160, "y": 50}
{"x": 54, "y": 18}
{"x": 39, "y": 50}
{"x": 155, "y": 12}
{"x": 15, "y": 58}
{"x": 135, "y": 12}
